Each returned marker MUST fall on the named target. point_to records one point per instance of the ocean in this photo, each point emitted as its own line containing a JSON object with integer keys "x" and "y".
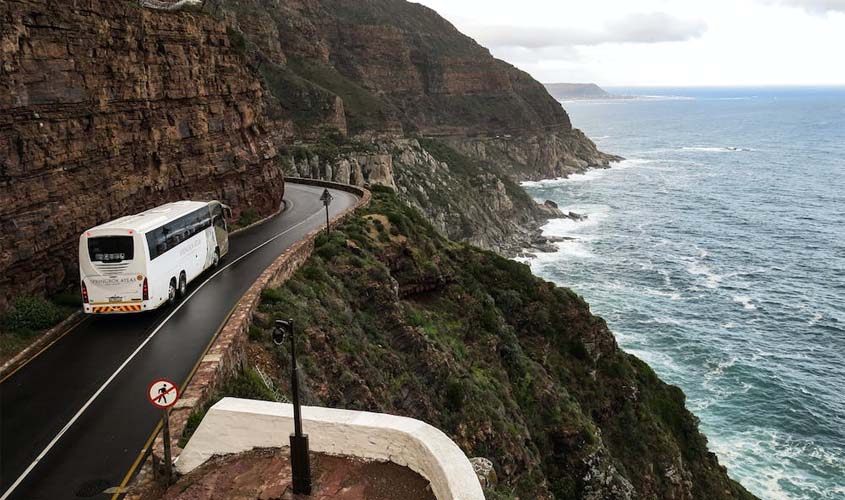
{"x": 716, "y": 253}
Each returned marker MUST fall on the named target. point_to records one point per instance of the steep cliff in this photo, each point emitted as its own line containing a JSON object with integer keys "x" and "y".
{"x": 107, "y": 109}
{"x": 382, "y": 74}
{"x": 401, "y": 70}
{"x": 396, "y": 318}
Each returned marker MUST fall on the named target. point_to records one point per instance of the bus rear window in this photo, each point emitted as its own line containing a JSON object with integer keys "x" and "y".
{"x": 110, "y": 248}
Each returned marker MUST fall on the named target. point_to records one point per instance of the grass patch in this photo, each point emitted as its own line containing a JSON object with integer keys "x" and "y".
{"x": 30, "y": 317}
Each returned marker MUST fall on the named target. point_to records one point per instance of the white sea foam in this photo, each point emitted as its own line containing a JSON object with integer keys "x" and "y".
{"x": 567, "y": 227}
{"x": 711, "y": 279}
{"x": 670, "y": 295}
{"x": 762, "y": 459}
{"x": 712, "y": 149}
{"x": 745, "y": 301}
{"x": 589, "y": 175}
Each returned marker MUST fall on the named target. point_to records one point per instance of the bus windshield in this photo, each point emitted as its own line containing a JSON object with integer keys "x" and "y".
{"x": 110, "y": 248}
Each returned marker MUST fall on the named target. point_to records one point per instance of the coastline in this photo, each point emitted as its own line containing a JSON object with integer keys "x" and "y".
{"x": 543, "y": 240}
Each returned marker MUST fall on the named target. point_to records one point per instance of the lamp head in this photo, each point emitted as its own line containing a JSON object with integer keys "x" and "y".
{"x": 282, "y": 329}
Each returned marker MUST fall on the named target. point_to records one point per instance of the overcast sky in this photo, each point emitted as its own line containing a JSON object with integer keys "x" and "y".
{"x": 661, "y": 42}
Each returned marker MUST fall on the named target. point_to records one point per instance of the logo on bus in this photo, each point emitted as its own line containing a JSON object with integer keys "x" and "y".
{"x": 112, "y": 281}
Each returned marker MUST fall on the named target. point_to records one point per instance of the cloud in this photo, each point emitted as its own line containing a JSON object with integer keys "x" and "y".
{"x": 653, "y": 27}
{"x": 813, "y": 6}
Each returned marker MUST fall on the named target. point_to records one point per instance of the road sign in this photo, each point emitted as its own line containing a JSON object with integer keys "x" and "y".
{"x": 163, "y": 393}
{"x": 326, "y": 197}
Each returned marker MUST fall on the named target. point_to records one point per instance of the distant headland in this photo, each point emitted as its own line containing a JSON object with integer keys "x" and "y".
{"x": 567, "y": 91}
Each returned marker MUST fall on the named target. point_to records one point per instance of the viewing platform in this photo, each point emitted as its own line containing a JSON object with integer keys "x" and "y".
{"x": 370, "y": 447}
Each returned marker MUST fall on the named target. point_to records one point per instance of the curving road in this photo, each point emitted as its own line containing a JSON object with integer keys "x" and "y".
{"x": 74, "y": 419}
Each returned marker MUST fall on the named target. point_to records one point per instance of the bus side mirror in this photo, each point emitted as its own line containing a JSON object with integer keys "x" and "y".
{"x": 227, "y": 212}
{"x": 282, "y": 329}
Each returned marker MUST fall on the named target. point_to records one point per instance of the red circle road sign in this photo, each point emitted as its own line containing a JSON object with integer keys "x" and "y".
{"x": 162, "y": 393}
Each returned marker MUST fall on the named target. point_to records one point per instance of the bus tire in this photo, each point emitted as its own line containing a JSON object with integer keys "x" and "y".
{"x": 216, "y": 260}
{"x": 171, "y": 291}
{"x": 183, "y": 285}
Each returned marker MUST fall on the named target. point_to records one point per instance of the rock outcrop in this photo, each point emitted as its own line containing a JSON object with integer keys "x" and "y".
{"x": 107, "y": 109}
{"x": 464, "y": 199}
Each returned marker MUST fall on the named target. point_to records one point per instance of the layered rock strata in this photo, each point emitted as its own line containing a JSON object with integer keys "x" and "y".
{"x": 107, "y": 109}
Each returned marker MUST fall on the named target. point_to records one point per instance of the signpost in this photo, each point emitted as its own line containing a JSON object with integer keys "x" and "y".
{"x": 299, "y": 460}
{"x": 326, "y": 198}
{"x": 163, "y": 394}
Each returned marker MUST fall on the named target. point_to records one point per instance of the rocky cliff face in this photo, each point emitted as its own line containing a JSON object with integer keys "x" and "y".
{"x": 464, "y": 199}
{"x": 397, "y": 70}
{"x": 401, "y": 69}
{"x": 107, "y": 109}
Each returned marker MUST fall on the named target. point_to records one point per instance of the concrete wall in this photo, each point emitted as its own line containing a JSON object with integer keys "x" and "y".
{"x": 237, "y": 425}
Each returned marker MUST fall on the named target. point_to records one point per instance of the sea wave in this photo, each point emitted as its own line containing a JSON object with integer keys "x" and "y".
{"x": 588, "y": 175}
{"x": 716, "y": 149}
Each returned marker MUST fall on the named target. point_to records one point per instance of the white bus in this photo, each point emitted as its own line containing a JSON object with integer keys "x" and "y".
{"x": 139, "y": 262}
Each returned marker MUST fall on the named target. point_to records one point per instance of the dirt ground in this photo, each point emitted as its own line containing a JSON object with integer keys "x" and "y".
{"x": 265, "y": 475}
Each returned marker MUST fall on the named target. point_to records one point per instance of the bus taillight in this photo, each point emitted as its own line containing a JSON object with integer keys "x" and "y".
{"x": 145, "y": 290}
{"x": 84, "y": 293}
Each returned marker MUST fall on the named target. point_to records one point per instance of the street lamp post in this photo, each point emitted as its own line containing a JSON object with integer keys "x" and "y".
{"x": 299, "y": 460}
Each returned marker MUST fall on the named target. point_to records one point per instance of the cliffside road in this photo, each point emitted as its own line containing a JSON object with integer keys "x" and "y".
{"x": 74, "y": 419}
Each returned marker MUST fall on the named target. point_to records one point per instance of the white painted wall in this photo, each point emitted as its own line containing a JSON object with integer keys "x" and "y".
{"x": 237, "y": 425}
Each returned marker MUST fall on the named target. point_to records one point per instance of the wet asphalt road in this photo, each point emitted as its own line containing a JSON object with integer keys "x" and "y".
{"x": 84, "y": 397}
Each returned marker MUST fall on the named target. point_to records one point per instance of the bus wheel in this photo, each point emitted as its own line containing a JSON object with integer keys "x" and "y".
{"x": 171, "y": 291}
{"x": 216, "y": 260}
{"x": 183, "y": 285}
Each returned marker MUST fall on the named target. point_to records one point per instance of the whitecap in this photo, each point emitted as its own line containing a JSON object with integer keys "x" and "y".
{"x": 587, "y": 175}
{"x": 745, "y": 301}
{"x": 711, "y": 279}
{"x": 713, "y": 149}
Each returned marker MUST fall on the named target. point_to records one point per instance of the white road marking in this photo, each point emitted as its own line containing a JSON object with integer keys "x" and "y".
{"x": 88, "y": 403}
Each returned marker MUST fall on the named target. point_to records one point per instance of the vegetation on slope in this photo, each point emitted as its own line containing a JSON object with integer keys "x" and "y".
{"x": 30, "y": 317}
{"x": 393, "y": 317}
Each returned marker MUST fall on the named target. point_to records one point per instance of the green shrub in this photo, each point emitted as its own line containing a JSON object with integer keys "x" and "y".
{"x": 68, "y": 298}
{"x": 255, "y": 333}
{"x": 455, "y": 395}
{"x": 236, "y": 40}
{"x": 248, "y": 216}
{"x": 312, "y": 272}
{"x": 31, "y": 314}
{"x": 248, "y": 385}
{"x": 272, "y": 295}
{"x": 577, "y": 349}
{"x": 191, "y": 425}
